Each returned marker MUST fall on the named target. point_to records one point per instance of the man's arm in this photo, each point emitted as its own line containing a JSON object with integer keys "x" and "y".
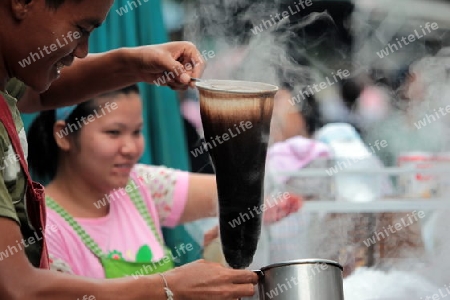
{"x": 19, "y": 280}
{"x": 199, "y": 280}
{"x": 115, "y": 69}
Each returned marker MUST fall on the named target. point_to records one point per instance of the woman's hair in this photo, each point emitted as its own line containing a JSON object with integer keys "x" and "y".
{"x": 44, "y": 152}
{"x": 310, "y": 111}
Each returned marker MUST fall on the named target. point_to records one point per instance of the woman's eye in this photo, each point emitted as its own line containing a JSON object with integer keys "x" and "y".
{"x": 113, "y": 132}
{"x": 137, "y": 132}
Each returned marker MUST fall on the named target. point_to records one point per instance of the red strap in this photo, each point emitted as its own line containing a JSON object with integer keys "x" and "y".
{"x": 35, "y": 198}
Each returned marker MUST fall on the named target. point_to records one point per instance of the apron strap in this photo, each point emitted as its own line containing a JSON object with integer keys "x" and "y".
{"x": 84, "y": 236}
{"x": 135, "y": 197}
{"x": 142, "y": 208}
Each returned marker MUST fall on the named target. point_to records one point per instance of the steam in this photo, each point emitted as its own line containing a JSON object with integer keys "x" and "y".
{"x": 276, "y": 56}
{"x": 271, "y": 55}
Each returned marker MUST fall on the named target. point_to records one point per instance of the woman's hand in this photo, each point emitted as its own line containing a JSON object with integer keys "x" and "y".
{"x": 208, "y": 280}
{"x": 281, "y": 207}
{"x": 169, "y": 64}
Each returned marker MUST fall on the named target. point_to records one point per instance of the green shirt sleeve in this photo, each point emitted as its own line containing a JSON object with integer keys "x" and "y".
{"x": 16, "y": 88}
{"x": 7, "y": 209}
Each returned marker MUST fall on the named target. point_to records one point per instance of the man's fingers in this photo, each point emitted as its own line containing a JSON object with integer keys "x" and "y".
{"x": 199, "y": 67}
{"x": 177, "y": 86}
{"x": 242, "y": 277}
{"x": 185, "y": 78}
{"x": 181, "y": 62}
{"x": 246, "y": 290}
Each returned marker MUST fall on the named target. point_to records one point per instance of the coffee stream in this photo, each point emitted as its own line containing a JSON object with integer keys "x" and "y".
{"x": 239, "y": 164}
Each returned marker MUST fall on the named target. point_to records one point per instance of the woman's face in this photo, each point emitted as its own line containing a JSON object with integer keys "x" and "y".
{"x": 41, "y": 40}
{"x": 108, "y": 147}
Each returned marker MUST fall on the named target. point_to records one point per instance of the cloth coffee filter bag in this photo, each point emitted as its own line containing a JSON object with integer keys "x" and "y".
{"x": 239, "y": 112}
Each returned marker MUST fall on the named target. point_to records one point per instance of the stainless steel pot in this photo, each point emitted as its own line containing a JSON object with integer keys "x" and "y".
{"x": 305, "y": 279}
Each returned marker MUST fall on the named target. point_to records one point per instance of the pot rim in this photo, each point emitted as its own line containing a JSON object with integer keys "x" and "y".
{"x": 301, "y": 262}
{"x": 254, "y": 87}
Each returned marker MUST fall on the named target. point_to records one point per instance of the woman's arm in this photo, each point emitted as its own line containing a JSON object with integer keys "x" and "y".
{"x": 202, "y": 200}
{"x": 179, "y": 196}
{"x": 184, "y": 197}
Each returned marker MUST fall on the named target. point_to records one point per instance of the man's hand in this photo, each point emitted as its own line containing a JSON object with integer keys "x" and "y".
{"x": 170, "y": 64}
{"x": 208, "y": 280}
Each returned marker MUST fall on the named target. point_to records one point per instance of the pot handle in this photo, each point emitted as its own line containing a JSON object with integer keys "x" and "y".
{"x": 259, "y": 273}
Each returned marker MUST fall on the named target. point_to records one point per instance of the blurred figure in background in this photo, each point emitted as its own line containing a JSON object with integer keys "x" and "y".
{"x": 415, "y": 124}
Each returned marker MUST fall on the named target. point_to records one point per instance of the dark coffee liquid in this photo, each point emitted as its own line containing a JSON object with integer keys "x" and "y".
{"x": 239, "y": 164}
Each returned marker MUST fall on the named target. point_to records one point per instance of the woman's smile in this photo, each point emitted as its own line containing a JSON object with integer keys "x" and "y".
{"x": 123, "y": 169}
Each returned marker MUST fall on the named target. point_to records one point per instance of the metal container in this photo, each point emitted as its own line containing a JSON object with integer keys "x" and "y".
{"x": 305, "y": 279}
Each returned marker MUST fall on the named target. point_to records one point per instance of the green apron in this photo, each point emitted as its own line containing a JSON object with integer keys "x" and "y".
{"x": 116, "y": 268}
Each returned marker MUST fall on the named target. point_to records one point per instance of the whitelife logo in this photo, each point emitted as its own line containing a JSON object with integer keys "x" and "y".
{"x": 86, "y": 120}
{"x": 131, "y": 4}
{"x": 294, "y": 281}
{"x": 442, "y": 294}
{"x": 8, "y": 160}
{"x": 199, "y": 151}
{"x": 87, "y": 297}
{"x": 258, "y": 209}
{"x": 23, "y": 244}
{"x": 46, "y": 50}
{"x": 391, "y": 48}
{"x": 398, "y": 226}
{"x": 266, "y": 24}
{"x": 151, "y": 267}
{"x": 428, "y": 119}
{"x": 178, "y": 70}
{"x": 308, "y": 91}
{"x": 345, "y": 164}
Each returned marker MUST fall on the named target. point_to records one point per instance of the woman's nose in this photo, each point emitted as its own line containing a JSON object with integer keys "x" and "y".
{"x": 130, "y": 146}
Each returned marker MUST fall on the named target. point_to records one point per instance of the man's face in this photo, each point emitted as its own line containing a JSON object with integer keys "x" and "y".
{"x": 43, "y": 40}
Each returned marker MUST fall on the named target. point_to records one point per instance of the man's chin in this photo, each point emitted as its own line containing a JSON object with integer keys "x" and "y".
{"x": 41, "y": 87}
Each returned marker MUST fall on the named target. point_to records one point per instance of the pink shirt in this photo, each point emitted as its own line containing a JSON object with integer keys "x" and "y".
{"x": 123, "y": 231}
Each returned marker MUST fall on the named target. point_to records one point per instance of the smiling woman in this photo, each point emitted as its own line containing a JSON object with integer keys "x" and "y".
{"x": 53, "y": 131}
{"x": 98, "y": 159}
